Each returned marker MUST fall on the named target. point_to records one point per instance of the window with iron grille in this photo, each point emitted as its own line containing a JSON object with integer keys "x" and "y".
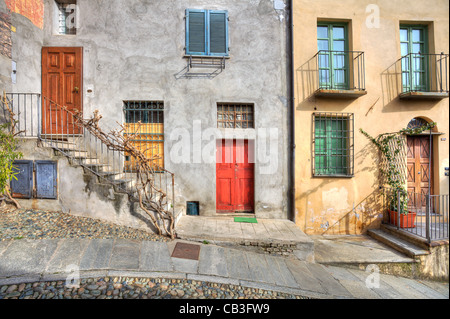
{"x": 145, "y": 121}
{"x": 333, "y": 144}
{"x": 67, "y": 16}
{"x": 230, "y": 115}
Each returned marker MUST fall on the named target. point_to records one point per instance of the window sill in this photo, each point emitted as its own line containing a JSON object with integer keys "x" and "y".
{"x": 334, "y": 176}
{"x": 335, "y": 93}
{"x": 422, "y": 95}
{"x": 187, "y": 56}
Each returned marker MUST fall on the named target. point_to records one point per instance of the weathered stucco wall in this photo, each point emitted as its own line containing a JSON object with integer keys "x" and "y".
{"x": 350, "y": 206}
{"x": 134, "y": 50}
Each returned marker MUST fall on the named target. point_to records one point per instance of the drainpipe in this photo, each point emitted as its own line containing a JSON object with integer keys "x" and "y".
{"x": 291, "y": 115}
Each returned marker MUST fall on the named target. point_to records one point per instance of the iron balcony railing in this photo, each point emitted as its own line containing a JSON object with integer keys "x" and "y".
{"x": 340, "y": 70}
{"x": 428, "y": 215}
{"x": 58, "y": 128}
{"x": 425, "y": 73}
{"x": 27, "y": 110}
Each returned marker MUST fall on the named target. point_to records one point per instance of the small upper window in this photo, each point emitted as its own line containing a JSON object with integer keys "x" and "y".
{"x": 207, "y": 32}
{"x": 235, "y": 115}
{"x": 67, "y": 12}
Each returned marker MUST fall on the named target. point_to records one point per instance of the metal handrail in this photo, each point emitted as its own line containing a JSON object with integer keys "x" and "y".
{"x": 26, "y": 108}
{"x": 434, "y": 70}
{"x": 55, "y": 126}
{"x": 69, "y": 137}
{"x": 431, "y": 213}
{"x": 353, "y": 68}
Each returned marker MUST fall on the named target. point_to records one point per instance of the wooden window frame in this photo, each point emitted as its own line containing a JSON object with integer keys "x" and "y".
{"x": 231, "y": 121}
{"x": 331, "y": 55}
{"x": 207, "y": 30}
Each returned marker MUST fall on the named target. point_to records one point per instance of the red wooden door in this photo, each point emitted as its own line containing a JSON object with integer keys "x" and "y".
{"x": 420, "y": 168}
{"x": 235, "y": 177}
{"x": 61, "y": 87}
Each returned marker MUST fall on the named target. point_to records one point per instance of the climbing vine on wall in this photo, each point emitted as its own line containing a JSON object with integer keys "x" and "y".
{"x": 392, "y": 148}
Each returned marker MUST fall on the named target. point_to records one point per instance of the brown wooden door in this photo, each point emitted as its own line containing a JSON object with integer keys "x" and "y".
{"x": 62, "y": 86}
{"x": 420, "y": 170}
{"x": 235, "y": 177}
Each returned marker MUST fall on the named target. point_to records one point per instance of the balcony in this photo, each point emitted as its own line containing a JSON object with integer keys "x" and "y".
{"x": 424, "y": 76}
{"x": 340, "y": 74}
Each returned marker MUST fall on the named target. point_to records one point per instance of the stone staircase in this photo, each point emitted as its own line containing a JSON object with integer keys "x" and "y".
{"x": 430, "y": 260}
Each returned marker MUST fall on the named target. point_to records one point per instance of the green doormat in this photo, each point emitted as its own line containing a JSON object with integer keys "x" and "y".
{"x": 245, "y": 220}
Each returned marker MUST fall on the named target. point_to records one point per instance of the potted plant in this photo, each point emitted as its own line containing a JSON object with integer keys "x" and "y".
{"x": 399, "y": 203}
{"x": 390, "y": 146}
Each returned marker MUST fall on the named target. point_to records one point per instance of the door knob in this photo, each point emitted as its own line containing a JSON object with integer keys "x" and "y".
{"x": 76, "y": 89}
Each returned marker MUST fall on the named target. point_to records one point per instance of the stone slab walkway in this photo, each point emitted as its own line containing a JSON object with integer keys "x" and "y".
{"x": 354, "y": 250}
{"x": 222, "y": 229}
{"x": 25, "y": 261}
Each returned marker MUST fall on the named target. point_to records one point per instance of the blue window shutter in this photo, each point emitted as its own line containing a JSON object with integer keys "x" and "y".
{"x": 196, "y": 37}
{"x": 23, "y": 186}
{"x": 46, "y": 180}
{"x": 218, "y": 32}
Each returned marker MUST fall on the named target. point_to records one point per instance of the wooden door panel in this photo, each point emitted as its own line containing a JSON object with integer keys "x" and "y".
{"x": 61, "y": 87}
{"x": 235, "y": 177}
{"x": 420, "y": 168}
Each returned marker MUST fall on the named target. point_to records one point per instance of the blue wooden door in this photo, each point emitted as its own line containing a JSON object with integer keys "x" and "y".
{"x": 22, "y": 184}
{"x": 46, "y": 180}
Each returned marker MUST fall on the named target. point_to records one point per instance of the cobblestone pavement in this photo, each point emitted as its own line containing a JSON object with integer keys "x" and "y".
{"x": 39, "y": 249}
{"x": 136, "y": 288}
{"x": 20, "y": 224}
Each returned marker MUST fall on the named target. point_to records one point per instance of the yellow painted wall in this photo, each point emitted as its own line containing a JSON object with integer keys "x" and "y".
{"x": 351, "y": 205}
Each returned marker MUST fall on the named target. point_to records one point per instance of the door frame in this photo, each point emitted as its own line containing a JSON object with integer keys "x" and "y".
{"x": 44, "y": 89}
{"x": 417, "y": 195}
{"x": 250, "y": 143}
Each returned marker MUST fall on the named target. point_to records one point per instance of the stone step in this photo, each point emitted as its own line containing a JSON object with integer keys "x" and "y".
{"x": 397, "y": 243}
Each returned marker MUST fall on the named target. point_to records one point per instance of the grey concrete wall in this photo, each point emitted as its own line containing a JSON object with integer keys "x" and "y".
{"x": 27, "y": 41}
{"x": 5, "y": 61}
{"x": 81, "y": 193}
{"x": 134, "y": 50}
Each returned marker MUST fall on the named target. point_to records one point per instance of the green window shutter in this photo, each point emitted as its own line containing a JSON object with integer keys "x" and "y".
{"x": 218, "y": 21}
{"x": 196, "y": 32}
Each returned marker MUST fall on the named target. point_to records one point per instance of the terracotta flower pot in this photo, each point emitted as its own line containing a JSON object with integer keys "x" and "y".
{"x": 406, "y": 221}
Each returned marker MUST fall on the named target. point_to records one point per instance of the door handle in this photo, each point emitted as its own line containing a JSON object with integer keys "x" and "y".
{"x": 76, "y": 89}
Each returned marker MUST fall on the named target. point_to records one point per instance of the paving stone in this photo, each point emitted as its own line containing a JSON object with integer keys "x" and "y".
{"x": 125, "y": 255}
{"x": 155, "y": 257}
{"x": 328, "y": 282}
{"x": 280, "y": 272}
{"x": 237, "y": 264}
{"x": 212, "y": 261}
{"x": 258, "y": 267}
{"x": 67, "y": 253}
{"x": 97, "y": 255}
{"x": 304, "y": 277}
{"x": 24, "y": 257}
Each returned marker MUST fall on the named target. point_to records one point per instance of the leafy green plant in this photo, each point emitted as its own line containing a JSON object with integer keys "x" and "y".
{"x": 392, "y": 172}
{"x": 8, "y": 154}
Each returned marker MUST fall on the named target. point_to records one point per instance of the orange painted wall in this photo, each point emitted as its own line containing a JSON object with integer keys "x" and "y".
{"x": 32, "y": 9}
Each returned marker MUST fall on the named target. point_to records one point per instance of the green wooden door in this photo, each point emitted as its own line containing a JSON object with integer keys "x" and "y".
{"x": 333, "y": 56}
{"x": 414, "y": 50}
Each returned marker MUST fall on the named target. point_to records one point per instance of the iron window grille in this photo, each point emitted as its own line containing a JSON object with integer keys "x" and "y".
{"x": 239, "y": 116}
{"x": 333, "y": 145}
{"x": 145, "y": 121}
{"x": 67, "y": 17}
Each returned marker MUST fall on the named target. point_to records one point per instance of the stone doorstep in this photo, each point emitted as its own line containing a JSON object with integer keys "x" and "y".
{"x": 397, "y": 243}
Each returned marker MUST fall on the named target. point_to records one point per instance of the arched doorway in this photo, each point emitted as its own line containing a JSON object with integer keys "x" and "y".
{"x": 420, "y": 165}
